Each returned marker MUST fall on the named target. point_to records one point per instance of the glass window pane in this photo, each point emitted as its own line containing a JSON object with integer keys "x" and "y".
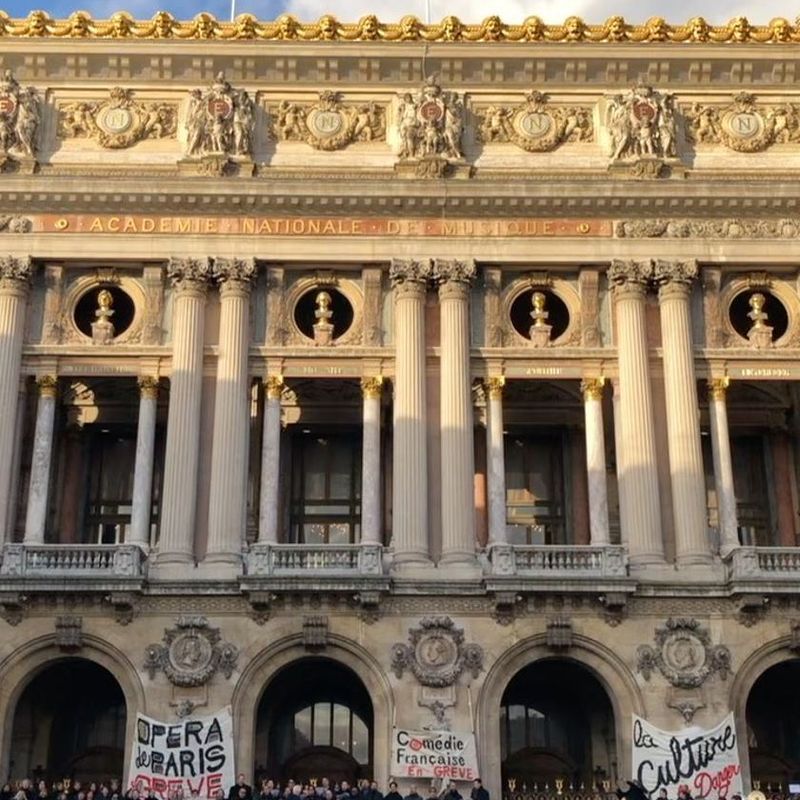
{"x": 314, "y": 534}
{"x": 339, "y": 533}
{"x": 360, "y": 748}
{"x": 341, "y": 465}
{"x": 517, "y": 738}
{"x": 322, "y": 724}
{"x": 341, "y": 727}
{"x": 302, "y": 728}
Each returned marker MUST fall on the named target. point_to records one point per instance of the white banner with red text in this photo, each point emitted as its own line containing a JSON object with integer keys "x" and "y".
{"x": 434, "y": 754}
{"x": 706, "y": 760}
{"x": 195, "y": 755}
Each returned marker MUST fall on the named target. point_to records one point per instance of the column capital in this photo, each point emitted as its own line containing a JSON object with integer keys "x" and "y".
{"x": 189, "y": 274}
{"x": 48, "y": 385}
{"x": 148, "y": 387}
{"x": 15, "y": 272}
{"x": 494, "y": 387}
{"x": 452, "y": 270}
{"x": 718, "y": 387}
{"x": 235, "y": 274}
{"x": 630, "y": 276}
{"x": 592, "y": 388}
{"x": 372, "y": 387}
{"x": 274, "y": 384}
{"x": 410, "y": 276}
{"x": 675, "y": 277}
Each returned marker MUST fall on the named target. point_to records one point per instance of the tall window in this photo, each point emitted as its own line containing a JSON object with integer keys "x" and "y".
{"x": 326, "y": 487}
{"x": 535, "y": 488}
{"x": 752, "y": 496}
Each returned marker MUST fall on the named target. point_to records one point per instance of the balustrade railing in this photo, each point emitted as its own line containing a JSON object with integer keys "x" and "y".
{"x": 603, "y": 561}
{"x": 305, "y": 559}
{"x": 79, "y": 560}
{"x": 767, "y": 563}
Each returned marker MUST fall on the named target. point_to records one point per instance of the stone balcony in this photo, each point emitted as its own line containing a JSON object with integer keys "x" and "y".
{"x": 764, "y": 568}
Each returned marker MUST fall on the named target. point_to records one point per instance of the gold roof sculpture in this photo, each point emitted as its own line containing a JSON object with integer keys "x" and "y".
{"x": 615, "y": 29}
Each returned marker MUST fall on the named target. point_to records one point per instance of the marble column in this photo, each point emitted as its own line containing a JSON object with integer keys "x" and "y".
{"x": 270, "y": 462}
{"x": 145, "y": 458}
{"x": 228, "y": 491}
{"x": 456, "y": 417}
{"x": 640, "y": 510}
{"x": 189, "y": 278}
{"x": 410, "y": 456}
{"x": 687, "y": 475}
{"x": 15, "y": 274}
{"x": 371, "y": 533}
{"x": 39, "y": 486}
{"x": 723, "y": 465}
{"x": 496, "y": 461}
{"x": 592, "y": 389}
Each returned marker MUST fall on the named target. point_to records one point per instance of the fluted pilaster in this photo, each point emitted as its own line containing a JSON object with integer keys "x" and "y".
{"x": 143, "y": 469}
{"x": 270, "y": 462}
{"x": 496, "y": 463}
{"x": 674, "y": 279}
{"x": 189, "y": 278}
{"x": 410, "y": 463}
{"x": 227, "y": 501}
{"x": 592, "y": 389}
{"x": 723, "y": 465}
{"x": 39, "y": 486}
{"x": 15, "y": 276}
{"x": 371, "y": 389}
{"x": 639, "y": 498}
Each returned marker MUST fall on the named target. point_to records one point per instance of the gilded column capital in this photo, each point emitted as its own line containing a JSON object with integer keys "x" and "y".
{"x": 189, "y": 274}
{"x": 148, "y": 387}
{"x": 15, "y": 272}
{"x": 274, "y": 384}
{"x": 630, "y": 277}
{"x": 718, "y": 387}
{"x": 675, "y": 277}
{"x": 372, "y": 387}
{"x": 48, "y": 385}
{"x": 234, "y": 274}
{"x": 494, "y": 387}
{"x": 592, "y": 388}
{"x": 410, "y": 276}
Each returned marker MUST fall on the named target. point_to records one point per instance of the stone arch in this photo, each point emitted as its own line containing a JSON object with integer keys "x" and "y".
{"x": 601, "y": 663}
{"x": 261, "y": 670}
{"x": 26, "y": 662}
{"x": 754, "y": 666}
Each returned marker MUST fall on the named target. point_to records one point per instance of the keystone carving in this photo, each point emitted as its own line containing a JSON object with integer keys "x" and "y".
{"x": 69, "y": 632}
{"x": 118, "y": 122}
{"x": 436, "y": 653}
{"x": 534, "y": 125}
{"x": 683, "y": 654}
{"x": 191, "y": 653}
{"x": 743, "y": 126}
{"x": 329, "y": 124}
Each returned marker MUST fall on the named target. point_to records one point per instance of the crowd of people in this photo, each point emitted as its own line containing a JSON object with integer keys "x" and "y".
{"x": 323, "y": 789}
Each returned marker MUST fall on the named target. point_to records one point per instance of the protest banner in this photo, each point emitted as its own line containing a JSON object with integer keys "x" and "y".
{"x": 195, "y": 755}
{"x": 706, "y": 760}
{"x": 434, "y": 754}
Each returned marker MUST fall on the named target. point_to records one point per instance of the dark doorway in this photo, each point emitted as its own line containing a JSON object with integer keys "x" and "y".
{"x": 70, "y": 722}
{"x": 314, "y": 720}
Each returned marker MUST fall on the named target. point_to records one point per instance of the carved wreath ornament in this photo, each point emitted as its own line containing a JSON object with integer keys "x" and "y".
{"x": 683, "y": 654}
{"x": 436, "y": 653}
{"x": 191, "y": 653}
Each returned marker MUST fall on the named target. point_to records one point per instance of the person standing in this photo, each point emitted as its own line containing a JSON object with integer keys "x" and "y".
{"x": 478, "y": 792}
{"x": 235, "y": 792}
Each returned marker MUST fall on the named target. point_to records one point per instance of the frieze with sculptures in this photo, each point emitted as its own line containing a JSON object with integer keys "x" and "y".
{"x": 369, "y": 28}
{"x": 744, "y": 125}
{"x": 20, "y": 117}
{"x": 535, "y": 125}
{"x": 120, "y": 121}
{"x": 641, "y": 125}
{"x": 329, "y": 123}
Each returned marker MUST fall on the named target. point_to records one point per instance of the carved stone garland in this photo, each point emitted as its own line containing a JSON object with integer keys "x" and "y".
{"x": 534, "y": 125}
{"x": 436, "y": 653}
{"x": 191, "y": 653}
{"x": 118, "y": 122}
{"x": 329, "y": 124}
{"x": 683, "y": 654}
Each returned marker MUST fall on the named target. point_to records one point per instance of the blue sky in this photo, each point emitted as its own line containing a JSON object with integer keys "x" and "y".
{"x": 715, "y": 11}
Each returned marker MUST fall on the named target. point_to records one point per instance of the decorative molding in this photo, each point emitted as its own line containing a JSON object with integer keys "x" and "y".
{"x": 742, "y": 125}
{"x": 191, "y": 653}
{"x": 329, "y": 123}
{"x": 641, "y": 125}
{"x": 119, "y": 121}
{"x": 436, "y": 653}
{"x": 683, "y": 654}
{"x": 69, "y": 632}
{"x": 315, "y": 632}
{"x": 534, "y": 125}
{"x": 708, "y": 229}
{"x": 12, "y": 223}
{"x": 558, "y": 633}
